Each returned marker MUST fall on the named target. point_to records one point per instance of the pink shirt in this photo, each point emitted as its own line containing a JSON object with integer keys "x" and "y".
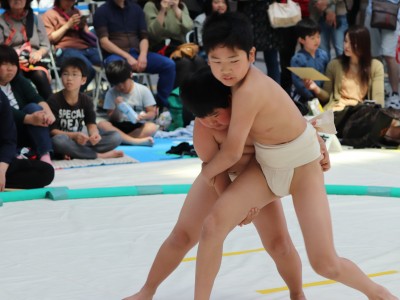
{"x": 54, "y": 21}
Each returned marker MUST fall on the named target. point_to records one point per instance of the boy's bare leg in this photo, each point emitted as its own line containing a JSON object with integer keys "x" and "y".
{"x": 231, "y": 208}
{"x": 127, "y": 138}
{"x": 272, "y": 229}
{"x": 312, "y": 209}
{"x": 183, "y": 237}
{"x": 111, "y": 154}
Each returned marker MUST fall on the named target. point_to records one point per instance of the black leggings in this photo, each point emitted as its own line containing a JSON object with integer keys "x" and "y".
{"x": 28, "y": 174}
{"x": 40, "y": 80}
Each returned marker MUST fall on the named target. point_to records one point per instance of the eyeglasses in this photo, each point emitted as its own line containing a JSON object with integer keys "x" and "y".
{"x": 66, "y": 75}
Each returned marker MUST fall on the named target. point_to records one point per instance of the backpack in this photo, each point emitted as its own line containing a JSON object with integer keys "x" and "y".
{"x": 175, "y": 108}
{"x": 364, "y": 125}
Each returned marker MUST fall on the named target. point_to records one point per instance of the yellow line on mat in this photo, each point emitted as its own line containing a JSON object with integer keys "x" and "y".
{"x": 229, "y": 254}
{"x": 319, "y": 283}
{"x": 285, "y": 288}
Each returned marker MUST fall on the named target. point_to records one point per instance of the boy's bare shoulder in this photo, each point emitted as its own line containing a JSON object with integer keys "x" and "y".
{"x": 255, "y": 85}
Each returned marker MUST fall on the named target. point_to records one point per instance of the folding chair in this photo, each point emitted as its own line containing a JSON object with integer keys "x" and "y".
{"x": 54, "y": 70}
{"x": 145, "y": 78}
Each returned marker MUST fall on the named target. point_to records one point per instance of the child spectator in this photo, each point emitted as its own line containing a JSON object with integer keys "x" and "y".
{"x": 31, "y": 113}
{"x": 74, "y": 109}
{"x": 310, "y": 55}
{"x": 18, "y": 173}
{"x": 131, "y": 106}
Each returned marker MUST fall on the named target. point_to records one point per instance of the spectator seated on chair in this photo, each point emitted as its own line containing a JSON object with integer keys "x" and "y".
{"x": 170, "y": 20}
{"x": 68, "y": 31}
{"x": 21, "y": 29}
{"x": 121, "y": 28}
{"x": 130, "y": 106}
{"x": 32, "y": 115}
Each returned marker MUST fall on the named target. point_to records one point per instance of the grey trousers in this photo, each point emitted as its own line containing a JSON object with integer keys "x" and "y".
{"x": 64, "y": 145}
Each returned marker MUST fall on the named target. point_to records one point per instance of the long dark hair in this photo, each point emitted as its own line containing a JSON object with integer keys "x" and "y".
{"x": 6, "y": 5}
{"x": 360, "y": 42}
{"x": 207, "y": 7}
{"x": 158, "y": 4}
{"x": 57, "y": 3}
{"x": 30, "y": 18}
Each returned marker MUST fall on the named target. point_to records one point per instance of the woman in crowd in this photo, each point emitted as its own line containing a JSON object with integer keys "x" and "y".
{"x": 32, "y": 115}
{"x": 21, "y": 29}
{"x": 68, "y": 32}
{"x": 170, "y": 20}
{"x": 266, "y": 38}
{"x": 210, "y": 6}
{"x": 354, "y": 77}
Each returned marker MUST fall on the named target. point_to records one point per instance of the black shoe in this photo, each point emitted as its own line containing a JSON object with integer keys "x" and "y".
{"x": 180, "y": 149}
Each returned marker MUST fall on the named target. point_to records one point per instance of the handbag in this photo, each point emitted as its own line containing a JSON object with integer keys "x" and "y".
{"x": 189, "y": 50}
{"x": 284, "y": 14}
{"x": 363, "y": 125}
{"x": 384, "y": 14}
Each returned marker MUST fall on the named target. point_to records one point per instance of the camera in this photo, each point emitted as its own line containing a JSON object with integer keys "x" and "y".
{"x": 25, "y": 54}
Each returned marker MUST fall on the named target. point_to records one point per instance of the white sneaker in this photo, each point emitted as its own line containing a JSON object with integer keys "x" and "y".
{"x": 393, "y": 101}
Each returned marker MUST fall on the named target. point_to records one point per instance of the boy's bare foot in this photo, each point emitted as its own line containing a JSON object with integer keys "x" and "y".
{"x": 146, "y": 141}
{"x": 142, "y": 295}
{"x": 110, "y": 154}
{"x": 383, "y": 294}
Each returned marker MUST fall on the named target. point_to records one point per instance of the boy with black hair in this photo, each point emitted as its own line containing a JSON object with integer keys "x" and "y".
{"x": 205, "y": 95}
{"x": 310, "y": 55}
{"x": 287, "y": 148}
{"x": 73, "y": 110}
{"x": 130, "y": 106}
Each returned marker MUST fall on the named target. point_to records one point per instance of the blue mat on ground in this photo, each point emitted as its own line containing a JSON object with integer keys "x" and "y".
{"x": 155, "y": 153}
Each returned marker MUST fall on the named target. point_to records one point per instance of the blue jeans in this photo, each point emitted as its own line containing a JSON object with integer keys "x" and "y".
{"x": 156, "y": 64}
{"x": 90, "y": 56}
{"x": 272, "y": 64}
{"x": 336, "y": 35}
{"x": 37, "y": 137}
{"x": 64, "y": 145}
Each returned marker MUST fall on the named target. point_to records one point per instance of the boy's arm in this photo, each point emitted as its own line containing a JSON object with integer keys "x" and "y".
{"x": 79, "y": 137}
{"x": 90, "y": 121}
{"x": 206, "y": 147}
{"x": 242, "y": 119}
{"x": 150, "y": 113}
